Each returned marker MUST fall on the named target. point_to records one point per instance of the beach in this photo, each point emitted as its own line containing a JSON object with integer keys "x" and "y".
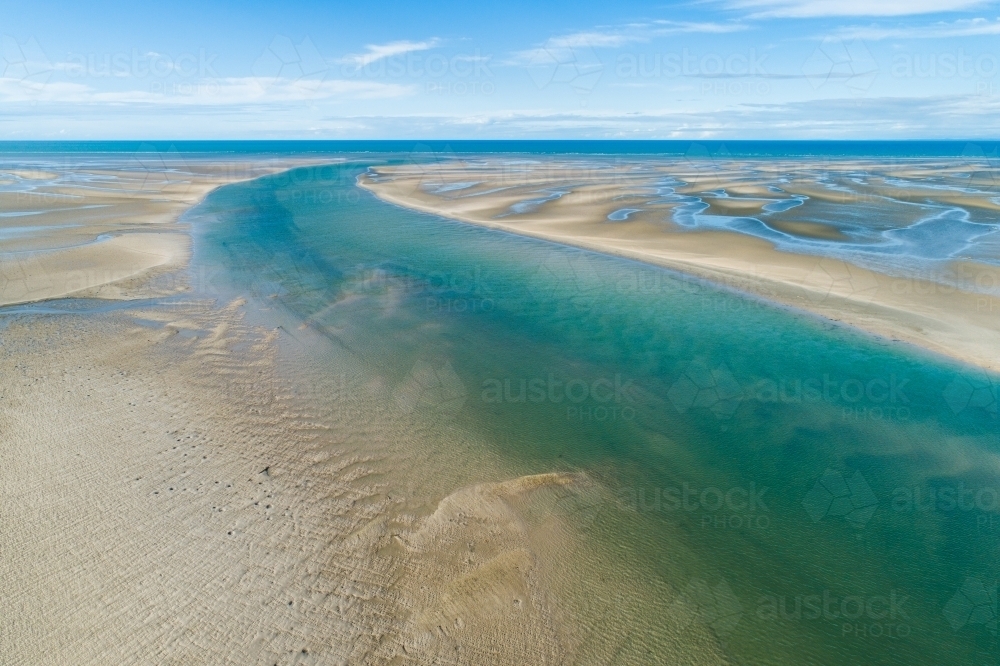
{"x": 185, "y": 495}
{"x": 498, "y": 335}
{"x": 256, "y": 413}
{"x": 175, "y": 502}
{"x": 104, "y": 228}
{"x": 949, "y": 306}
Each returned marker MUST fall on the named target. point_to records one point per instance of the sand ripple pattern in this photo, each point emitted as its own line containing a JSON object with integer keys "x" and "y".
{"x": 172, "y": 498}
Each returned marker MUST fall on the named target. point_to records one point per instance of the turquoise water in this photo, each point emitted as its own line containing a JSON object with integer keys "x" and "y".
{"x": 821, "y": 496}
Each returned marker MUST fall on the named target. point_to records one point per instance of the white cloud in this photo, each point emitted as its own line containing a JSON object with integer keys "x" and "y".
{"x": 376, "y": 52}
{"x": 593, "y": 39}
{"x": 618, "y": 36}
{"x": 846, "y": 118}
{"x": 942, "y": 117}
{"x": 960, "y": 28}
{"x": 234, "y": 91}
{"x": 672, "y": 27}
{"x": 639, "y": 32}
{"x": 816, "y": 8}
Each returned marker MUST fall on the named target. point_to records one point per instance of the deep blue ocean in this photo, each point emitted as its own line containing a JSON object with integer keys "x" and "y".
{"x": 541, "y": 147}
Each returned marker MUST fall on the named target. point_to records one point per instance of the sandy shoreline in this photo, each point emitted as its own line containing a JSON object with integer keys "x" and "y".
{"x": 102, "y": 230}
{"x": 177, "y": 501}
{"x": 957, "y": 318}
{"x": 184, "y": 495}
{"x": 189, "y": 488}
{"x": 195, "y": 488}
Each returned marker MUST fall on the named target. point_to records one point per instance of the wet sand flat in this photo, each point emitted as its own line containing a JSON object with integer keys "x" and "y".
{"x": 955, "y": 317}
{"x": 88, "y": 228}
{"x": 260, "y": 473}
{"x": 190, "y": 488}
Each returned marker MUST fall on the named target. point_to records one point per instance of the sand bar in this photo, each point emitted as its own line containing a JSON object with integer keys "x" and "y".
{"x": 190, "y": 489}
{"x": 958, "y": 317}
{"x": 94, "y": 228}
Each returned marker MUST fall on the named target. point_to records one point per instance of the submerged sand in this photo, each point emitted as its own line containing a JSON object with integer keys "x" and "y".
{"x": 184, "y": 486}
{"x": 179, "y": 501}
{"x": 570, "y": 202}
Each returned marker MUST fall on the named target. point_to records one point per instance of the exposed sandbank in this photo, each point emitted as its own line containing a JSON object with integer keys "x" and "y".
{"x": 81, "y": 228}
{"x": 186, "y": 494}
{"x": 957, "y": 318}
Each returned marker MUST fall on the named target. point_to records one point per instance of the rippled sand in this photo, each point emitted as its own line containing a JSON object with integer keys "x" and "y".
{"x": 88, "y": 226}
{"x": 187, "y": 486}
{"x": 179, "y": 499}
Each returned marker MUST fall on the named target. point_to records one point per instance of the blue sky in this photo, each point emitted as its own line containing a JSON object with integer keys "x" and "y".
{"x": 755, "y": 69}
